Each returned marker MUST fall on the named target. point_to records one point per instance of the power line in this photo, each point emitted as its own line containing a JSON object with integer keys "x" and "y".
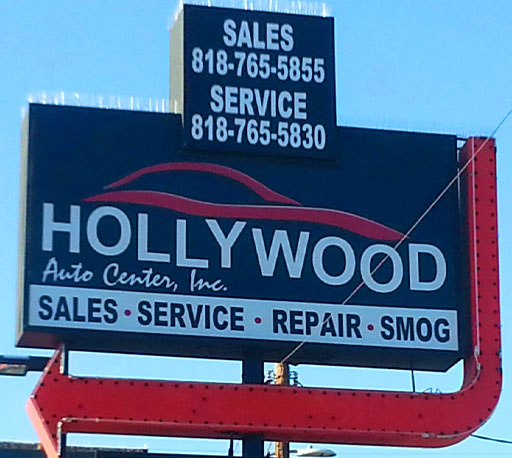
{"x": 415, "y": 224}
{"x": 476, "y": 436}
{"x": 492, "y": 439}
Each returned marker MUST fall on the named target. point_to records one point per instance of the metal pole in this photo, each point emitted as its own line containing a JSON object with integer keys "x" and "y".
{"x": 252, "y": 372}
{"x": 282, "y": 373}
{"x": 62, "y": 437}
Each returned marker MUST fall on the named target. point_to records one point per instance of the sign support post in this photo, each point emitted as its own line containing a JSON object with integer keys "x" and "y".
{"x": 282, "y": 373}
{"x": 252, "y": 372}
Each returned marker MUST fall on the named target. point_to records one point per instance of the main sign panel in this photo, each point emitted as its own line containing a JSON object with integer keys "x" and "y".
{"x": 253, "y": 81}
{"x": 133, "y": 245}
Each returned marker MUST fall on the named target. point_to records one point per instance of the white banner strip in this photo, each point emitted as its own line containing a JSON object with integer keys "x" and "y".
{"x": 208, "y": 316}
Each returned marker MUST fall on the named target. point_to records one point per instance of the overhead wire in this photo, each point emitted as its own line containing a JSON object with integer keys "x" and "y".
{"x": 406, "y": 235}
{"x": 476, "y": 436}
{"x": 492, "y": 439}
{"x": 414, "y": 225}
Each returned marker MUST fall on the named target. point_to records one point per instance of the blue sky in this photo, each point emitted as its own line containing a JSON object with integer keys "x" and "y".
{"x": 439, "y": 66}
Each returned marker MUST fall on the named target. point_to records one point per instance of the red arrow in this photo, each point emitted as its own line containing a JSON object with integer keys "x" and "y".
{"x": 62, "y": 404}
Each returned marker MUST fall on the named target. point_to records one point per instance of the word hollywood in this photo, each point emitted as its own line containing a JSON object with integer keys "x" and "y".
{"x": 75, "y": 230}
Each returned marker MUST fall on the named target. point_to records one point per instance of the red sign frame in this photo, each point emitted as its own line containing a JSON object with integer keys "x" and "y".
{"x": 61, "y": 404}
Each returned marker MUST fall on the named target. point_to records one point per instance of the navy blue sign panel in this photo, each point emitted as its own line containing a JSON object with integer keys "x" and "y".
{"x": 134, "y": 245}
{"x": 254, "y": 82}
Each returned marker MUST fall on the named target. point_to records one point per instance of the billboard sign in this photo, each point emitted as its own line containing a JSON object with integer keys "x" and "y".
{"x": 132, "y": 244}
{"x": 254, "y": 81}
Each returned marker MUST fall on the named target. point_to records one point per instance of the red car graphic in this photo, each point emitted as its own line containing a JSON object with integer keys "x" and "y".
{"x": 277, "y": 207}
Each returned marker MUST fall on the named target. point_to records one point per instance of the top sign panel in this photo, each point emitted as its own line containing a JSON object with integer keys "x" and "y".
{"x": 254, "y": 82}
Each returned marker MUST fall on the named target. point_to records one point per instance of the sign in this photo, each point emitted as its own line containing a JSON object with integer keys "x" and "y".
{"x": 256, "y": 83}
{"x": 247, "y": 224}
{"x": 158, "y": 250}
{"x": 62, "y": 404}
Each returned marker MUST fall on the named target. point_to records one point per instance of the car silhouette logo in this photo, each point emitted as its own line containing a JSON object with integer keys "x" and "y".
{"x": 275, "y": 206}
